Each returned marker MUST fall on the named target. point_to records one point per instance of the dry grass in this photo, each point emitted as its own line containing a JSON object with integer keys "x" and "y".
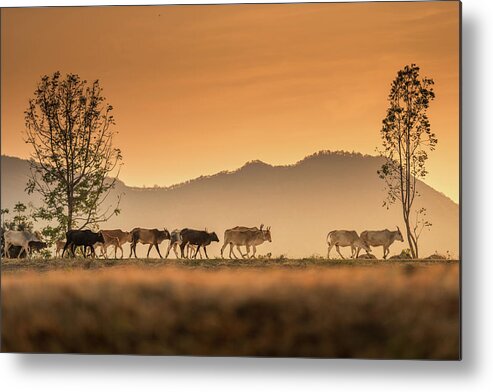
{"x": 68, "y": 264}
{"x": 385, "y": 311}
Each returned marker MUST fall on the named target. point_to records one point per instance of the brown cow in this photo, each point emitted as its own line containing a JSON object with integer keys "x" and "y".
{"x": 60, "y": 244}
{"x": 117, "y": 238}
{"x": 153, "y": 237}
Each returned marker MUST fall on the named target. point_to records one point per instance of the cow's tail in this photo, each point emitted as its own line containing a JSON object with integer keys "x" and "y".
{"x": 328, "y": 236}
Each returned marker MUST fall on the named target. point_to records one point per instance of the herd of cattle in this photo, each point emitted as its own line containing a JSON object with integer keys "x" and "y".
{"x": 190, "y": 241}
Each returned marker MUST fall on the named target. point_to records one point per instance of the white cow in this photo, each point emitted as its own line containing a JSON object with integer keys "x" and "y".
{"x": 20, "y": 238}
{"x": 343, "y": 238}
{"x": 383, "y": 238}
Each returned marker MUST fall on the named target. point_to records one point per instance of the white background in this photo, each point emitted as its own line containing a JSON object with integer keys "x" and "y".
{"x": 473, "y": 373}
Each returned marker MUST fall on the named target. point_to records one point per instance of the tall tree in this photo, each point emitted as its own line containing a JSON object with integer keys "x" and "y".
{"x": 406, "y": 138}
{"x": 70, "y": 127}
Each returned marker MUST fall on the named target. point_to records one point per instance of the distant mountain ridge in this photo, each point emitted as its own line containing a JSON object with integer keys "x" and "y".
{"x": 302, "y": 202}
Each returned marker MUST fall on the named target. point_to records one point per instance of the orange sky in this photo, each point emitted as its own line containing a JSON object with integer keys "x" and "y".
{"x": 200, "y": 89}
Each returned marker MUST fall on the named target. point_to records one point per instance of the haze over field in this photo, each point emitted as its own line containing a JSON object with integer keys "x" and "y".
{"x": 302, "y": 202}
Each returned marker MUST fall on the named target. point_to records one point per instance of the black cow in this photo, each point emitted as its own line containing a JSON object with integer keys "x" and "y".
{"x": 36, "y": 246}
{"x": 85, "y": 238}
{"x": 201, "y": 238}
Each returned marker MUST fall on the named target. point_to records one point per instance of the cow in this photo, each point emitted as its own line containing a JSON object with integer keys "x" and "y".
{"x": 246, "y": 236}
{"x": 174, "y": 242}
{"x": 102, "y": 250}
{"x": 19, "y": 238}
{"x": 59, "y": 245}
{"x": 117, "y": 238}
{"x": 37, "y": 246}
{"x": 151, "y": 237}
{"x": 344, "y": 238}
{"x": 383, "y": 238}
{"x": 85, "y": 238}
{"x": 201, "y": 238}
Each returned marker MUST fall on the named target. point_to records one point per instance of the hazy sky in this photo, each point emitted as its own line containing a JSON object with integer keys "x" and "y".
{"x": 200, "y": 89}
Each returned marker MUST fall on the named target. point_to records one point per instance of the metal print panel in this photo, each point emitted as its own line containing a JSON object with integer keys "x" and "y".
{"x": 232, "y": 180}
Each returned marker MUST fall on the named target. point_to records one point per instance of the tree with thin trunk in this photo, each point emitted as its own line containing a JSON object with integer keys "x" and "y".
{"x": 70, "y": 128}
{"x": 406, "y": 137}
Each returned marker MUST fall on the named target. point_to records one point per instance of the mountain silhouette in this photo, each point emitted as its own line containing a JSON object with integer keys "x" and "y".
{"x": 301, "y": 202}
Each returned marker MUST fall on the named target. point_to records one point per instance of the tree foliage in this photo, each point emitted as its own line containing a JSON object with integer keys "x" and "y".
{"x": 406, "y": 139}
{"x": 21, "y": 220}
{"x": 70, "y": 128}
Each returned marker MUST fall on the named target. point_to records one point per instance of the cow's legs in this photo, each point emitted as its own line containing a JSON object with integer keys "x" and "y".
{"x": 65, "y": 247}
{"x": 338, "y": 251}
{"x": 25, "y": 248}
{"x": 384, "y": 252}
{"x": 168, "y": 249}
{"x": 175, "y": 245}
{"x": 149, "y": 250}
{"x": 133, "y": 248}
{"x": 158, "y": 251}
{"x": 103, "y": 251}
{"x": 7, "y": 249}
{"x": 182, "y": 248}
{"x": 231, "y": 252}
{"x": 197, "y": 251}
{"x": 121, "y": 250}
{"x": 329, "y": 248}
{"x": 222, "y": 249}
{"x": 254, "y": 251}
{"x": 247, "y": 253}
{"x": 205, "y": 251}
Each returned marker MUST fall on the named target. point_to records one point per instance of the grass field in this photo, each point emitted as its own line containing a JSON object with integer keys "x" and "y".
{"x": 307, "y": 307}
{"x": 40, "y": 265}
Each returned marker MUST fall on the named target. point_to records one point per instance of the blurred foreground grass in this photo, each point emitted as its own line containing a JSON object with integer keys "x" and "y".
{"x": 372, "y": 310}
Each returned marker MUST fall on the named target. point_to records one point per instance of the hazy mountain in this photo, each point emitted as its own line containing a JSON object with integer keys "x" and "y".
{"x": 302, "y": 202}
